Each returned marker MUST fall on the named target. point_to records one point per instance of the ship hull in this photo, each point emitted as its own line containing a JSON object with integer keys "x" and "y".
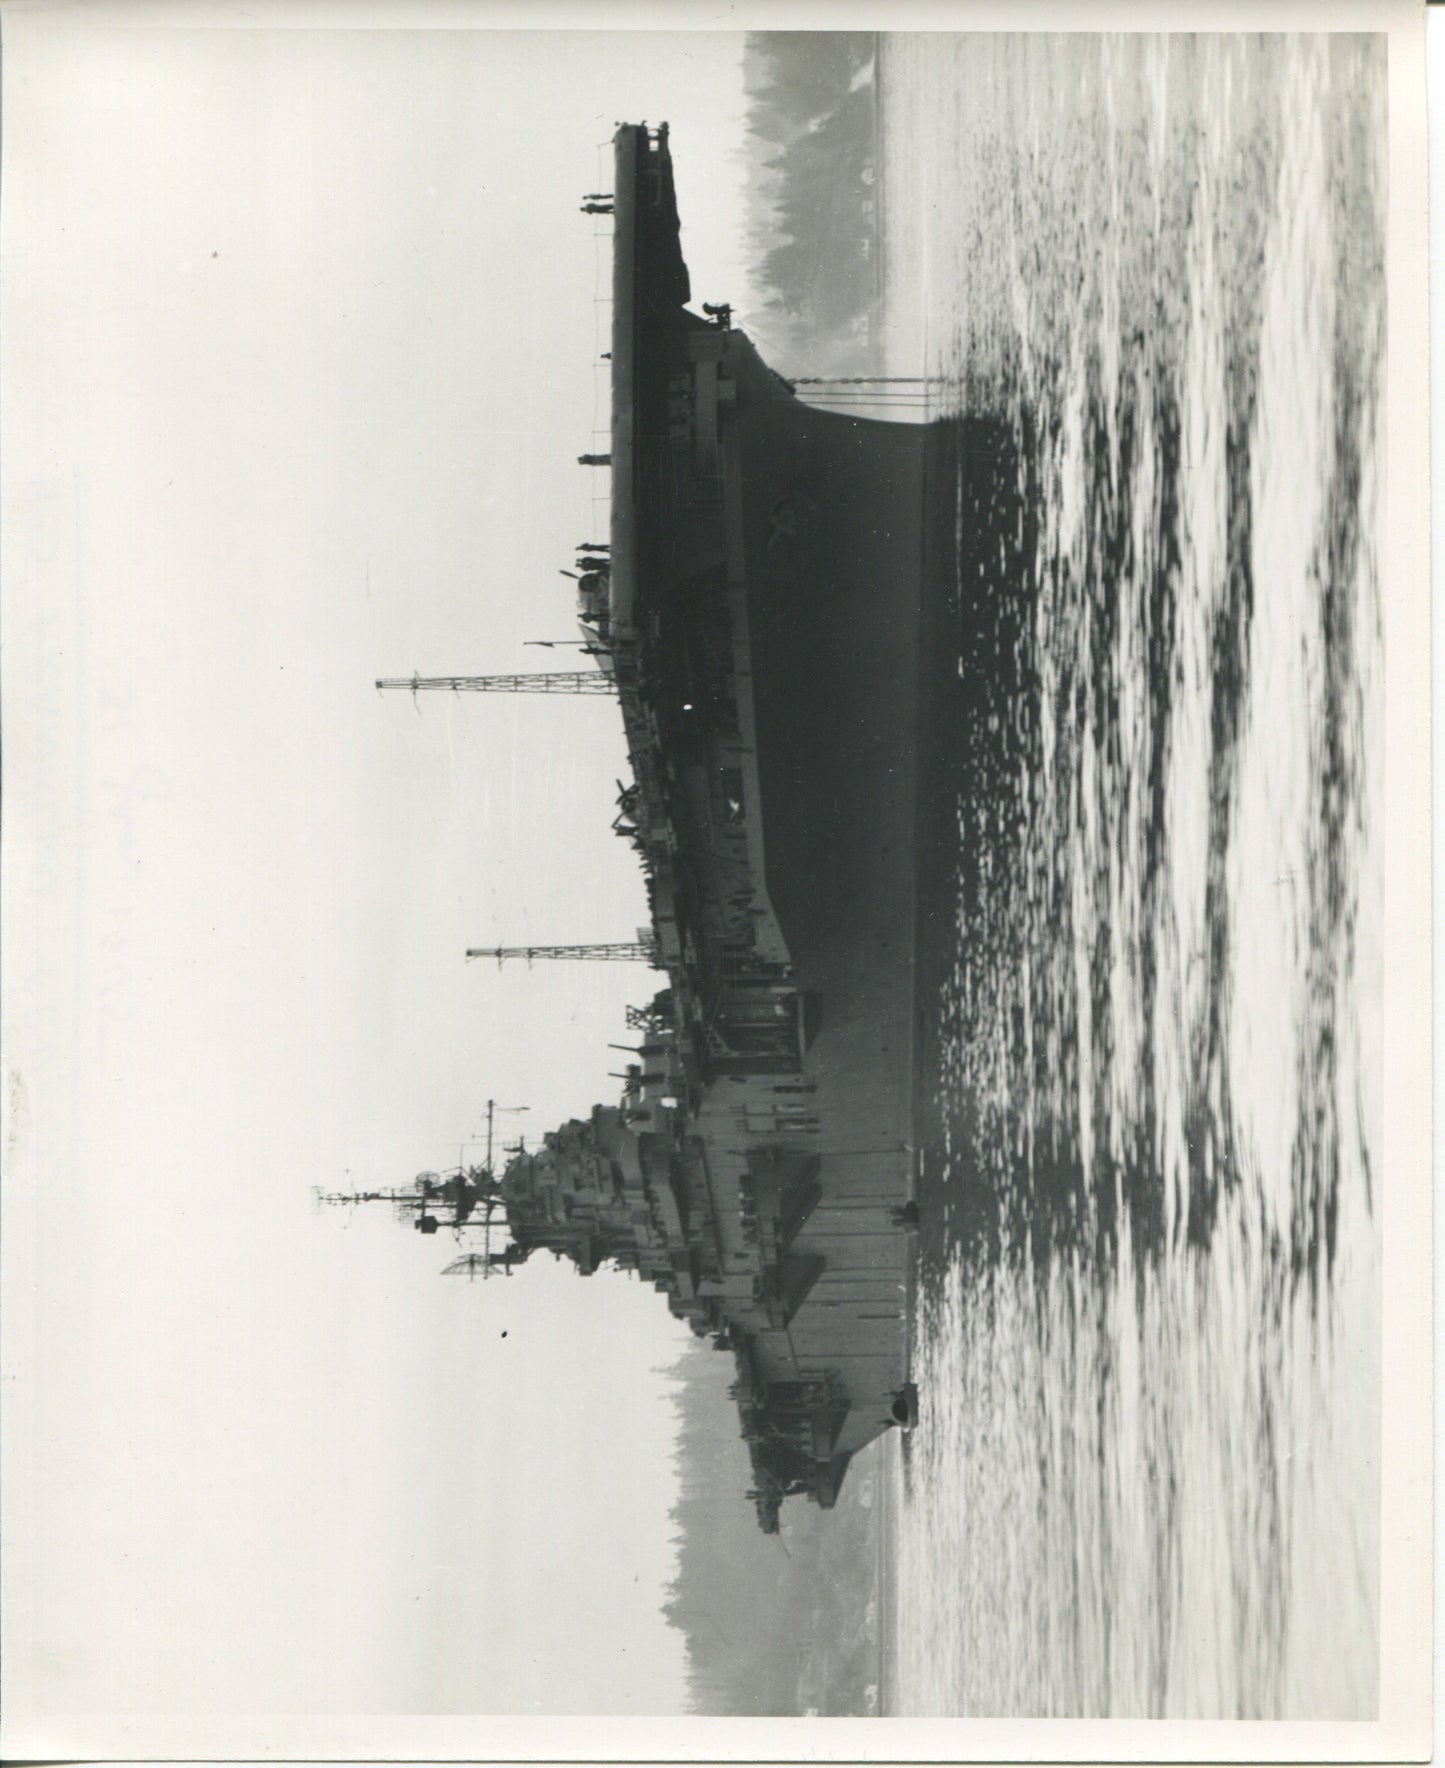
{"x": 838, "y": 583}
{"x": 832, "y": 511}
{"x": 826, "y": 519}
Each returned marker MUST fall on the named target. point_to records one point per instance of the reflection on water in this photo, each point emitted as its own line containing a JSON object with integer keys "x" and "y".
{"x": 1145, "y": 1480}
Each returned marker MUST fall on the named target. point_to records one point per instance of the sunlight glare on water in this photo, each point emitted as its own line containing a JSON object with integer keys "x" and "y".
{"x": 1145, "y": 1479}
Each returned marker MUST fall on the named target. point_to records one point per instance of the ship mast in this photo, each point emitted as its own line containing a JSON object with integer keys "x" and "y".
{"x": 463, "y": 1192}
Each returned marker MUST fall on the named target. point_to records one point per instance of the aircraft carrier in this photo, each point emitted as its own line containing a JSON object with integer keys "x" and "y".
{"x": 758, "y": 617}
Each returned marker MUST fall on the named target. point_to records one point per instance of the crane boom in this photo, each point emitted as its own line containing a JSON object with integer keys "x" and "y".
{"x": 621, "y": 951}
{"x": 552, "y": 681}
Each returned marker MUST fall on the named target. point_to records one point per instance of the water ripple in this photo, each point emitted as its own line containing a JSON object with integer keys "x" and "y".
{"x": 1149, "y": 1331}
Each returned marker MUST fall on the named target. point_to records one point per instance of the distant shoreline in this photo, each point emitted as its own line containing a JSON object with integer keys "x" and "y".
{"x": 880, "y": 180}
{"x": 815, "y": 230}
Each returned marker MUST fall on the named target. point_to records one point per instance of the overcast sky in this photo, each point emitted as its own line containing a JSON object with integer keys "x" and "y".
{"x": 300, "y": 347}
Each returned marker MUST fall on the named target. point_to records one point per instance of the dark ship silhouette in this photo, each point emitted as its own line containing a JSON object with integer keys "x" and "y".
{"x": 758, "y": 619}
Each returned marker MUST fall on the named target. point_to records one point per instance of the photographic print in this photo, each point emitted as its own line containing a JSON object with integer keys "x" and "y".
{"x": 695, "y": 858}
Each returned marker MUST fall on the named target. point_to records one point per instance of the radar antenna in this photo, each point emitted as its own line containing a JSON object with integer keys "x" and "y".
{"x": 467, "y": 1196}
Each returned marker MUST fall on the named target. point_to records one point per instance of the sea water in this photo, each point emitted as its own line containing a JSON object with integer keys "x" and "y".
{"x": 1145, "y": 1477}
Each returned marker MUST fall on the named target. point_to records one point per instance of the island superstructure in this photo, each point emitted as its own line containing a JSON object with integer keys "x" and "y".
{"x": 758, "y": 621}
